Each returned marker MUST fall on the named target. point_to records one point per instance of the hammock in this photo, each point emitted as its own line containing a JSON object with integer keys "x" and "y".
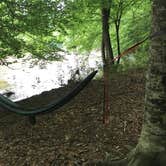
{"x": 31, "y": 112}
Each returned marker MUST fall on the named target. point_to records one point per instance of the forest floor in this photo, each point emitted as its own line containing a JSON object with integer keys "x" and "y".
{"x": 75, "y": 134}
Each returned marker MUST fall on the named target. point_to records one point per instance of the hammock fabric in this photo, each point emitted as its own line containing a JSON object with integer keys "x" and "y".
{"x": 31, "y": 112}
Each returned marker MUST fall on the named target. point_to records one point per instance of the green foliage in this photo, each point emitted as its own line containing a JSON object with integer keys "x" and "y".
{"x": 28, "y": 26}
{"x": 134, "y": 29}
{"x": 43, "y": 27}
{"x": 85, "y": 33}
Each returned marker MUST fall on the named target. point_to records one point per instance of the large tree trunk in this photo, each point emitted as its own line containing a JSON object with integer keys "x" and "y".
{"x": 151, "y": 148}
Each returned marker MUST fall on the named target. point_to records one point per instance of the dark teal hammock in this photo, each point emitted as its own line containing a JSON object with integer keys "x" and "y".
{"x": 10, "y": 106}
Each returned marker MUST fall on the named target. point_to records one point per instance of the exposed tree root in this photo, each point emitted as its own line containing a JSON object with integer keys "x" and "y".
{"x": 137, "y": 159}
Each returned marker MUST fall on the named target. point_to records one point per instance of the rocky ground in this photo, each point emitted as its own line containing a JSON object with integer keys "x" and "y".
{"x": 75, "y": 134}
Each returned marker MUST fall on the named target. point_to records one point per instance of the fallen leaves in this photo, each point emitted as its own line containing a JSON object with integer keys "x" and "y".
{"x": 75, "y": 134}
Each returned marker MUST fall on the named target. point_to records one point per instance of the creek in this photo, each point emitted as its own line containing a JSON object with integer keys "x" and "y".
{"x": 26, "y": 77}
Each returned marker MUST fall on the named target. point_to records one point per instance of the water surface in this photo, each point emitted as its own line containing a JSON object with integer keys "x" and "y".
{"x": 25, "y": 78}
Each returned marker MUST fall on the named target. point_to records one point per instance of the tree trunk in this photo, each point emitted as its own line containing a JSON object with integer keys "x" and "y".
{"x": 117, "y": 27}
{"x": 117, "y": 23}
{"x": 106, "y": 35}
{"x": 107, "y": 56}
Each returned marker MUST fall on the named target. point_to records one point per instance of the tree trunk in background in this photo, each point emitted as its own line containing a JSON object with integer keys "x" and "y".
{"x": 117, "y": 27}
{"x": 106, "y": 35}
{"x": 107, "y": 56}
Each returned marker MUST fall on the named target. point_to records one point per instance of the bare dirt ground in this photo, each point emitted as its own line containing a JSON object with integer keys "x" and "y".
{"x": 75, "y": 134}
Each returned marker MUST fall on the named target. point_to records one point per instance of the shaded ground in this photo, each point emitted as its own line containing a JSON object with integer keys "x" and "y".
{"x": 75, "y": 133}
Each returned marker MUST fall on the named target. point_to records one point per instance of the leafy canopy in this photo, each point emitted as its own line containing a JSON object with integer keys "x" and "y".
{"x": 43, "y": 27}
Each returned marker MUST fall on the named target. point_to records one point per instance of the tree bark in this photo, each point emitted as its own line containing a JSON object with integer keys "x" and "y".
{"x": 107, "y": 56}
{"x": 106, "y": 35}
{"x": 117, "y": 27}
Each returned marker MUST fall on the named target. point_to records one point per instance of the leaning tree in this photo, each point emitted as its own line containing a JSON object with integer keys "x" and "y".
{"x": 151, "y": 147}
